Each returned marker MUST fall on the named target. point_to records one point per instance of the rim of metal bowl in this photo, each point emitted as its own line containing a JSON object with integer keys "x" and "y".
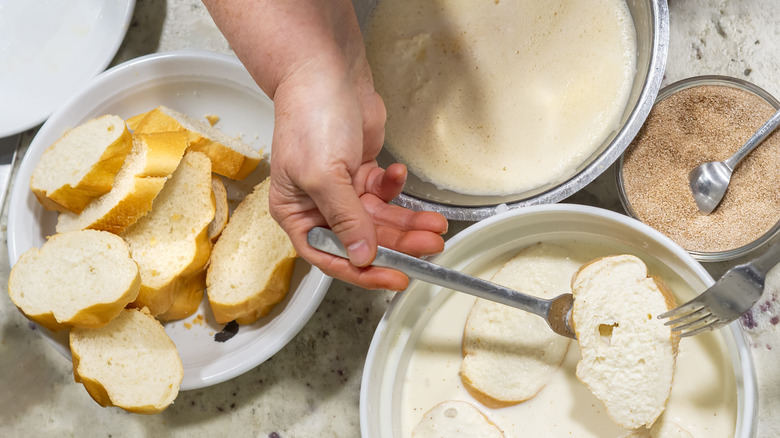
{"x": 660, "y": 44}
{"x": 695, "y": 81}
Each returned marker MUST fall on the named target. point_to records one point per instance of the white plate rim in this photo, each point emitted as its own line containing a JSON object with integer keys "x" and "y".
{"x": 129, "y": 74}
{"x": 373, "y": 370}
{"x": 110, "y": 48}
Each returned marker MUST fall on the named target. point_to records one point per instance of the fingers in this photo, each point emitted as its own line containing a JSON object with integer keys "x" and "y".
{"x": 415, "y": 243}
{"x": 370, "y": 277}
{"x": 395, "y": 216}
{"x": 388, "y": 183}
{"x": 343, "y": 211}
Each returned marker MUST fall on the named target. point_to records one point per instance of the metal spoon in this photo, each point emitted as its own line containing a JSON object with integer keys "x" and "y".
{"x": 556, "y": 311}
{"x": 709, "y": 181}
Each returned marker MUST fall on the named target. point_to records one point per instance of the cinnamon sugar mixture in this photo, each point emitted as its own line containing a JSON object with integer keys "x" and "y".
{"x": 698, "y": 124}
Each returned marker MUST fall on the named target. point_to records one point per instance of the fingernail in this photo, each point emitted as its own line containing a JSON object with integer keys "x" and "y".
{"x": 358, "y": 253}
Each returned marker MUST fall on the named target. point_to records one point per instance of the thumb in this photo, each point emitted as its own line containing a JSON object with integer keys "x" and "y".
{"x": 346, "y": 216}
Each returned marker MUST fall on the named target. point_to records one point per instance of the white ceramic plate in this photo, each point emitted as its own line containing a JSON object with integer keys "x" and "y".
{"x": 50, "y": 49}
{"x": 197, "y": 83}
{"x": 414, "y": 357}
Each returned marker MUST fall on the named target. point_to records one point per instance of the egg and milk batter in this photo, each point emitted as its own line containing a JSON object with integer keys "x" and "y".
{"x": 703, "y": 399}
{"x": 499, "y": 97}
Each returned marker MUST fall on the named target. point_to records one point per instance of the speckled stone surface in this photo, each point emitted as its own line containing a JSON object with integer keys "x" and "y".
{"x": 311, "y": 387}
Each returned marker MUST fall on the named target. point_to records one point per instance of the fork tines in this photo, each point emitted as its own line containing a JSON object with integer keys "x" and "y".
{"x": 691, "y": 319}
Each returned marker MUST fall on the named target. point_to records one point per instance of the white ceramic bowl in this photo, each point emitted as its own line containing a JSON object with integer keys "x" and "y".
{"x": 196, "y": 83}
{"x": 388, "y": 375}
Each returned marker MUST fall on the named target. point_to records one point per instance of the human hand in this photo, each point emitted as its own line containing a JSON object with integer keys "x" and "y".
{"x": 323, "y": 173}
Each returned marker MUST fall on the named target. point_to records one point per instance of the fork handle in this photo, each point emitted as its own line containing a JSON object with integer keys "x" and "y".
{"x": 326, "y": 241}
{"x": 766, "y": 261}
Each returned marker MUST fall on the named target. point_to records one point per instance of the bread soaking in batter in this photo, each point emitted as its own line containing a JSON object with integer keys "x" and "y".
{"x": 500, "y": 97}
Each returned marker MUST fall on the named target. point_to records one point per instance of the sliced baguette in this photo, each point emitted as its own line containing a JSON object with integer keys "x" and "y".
{"x": 81, "y": 165}
{"x": 152, "y": 160}
{"x": 628, "y": 355}
{"x": 80, "y": 278}
{"x": 222, "y": 213}
{"x": 230, "y": 157}
{"x": 509, "y": 355}
{"x": 251, "y": 264}
{"x": 132, "y": 122}
{"x": 187, "y": 298}
{"x": 170, "y": 243}
{"x": 455, "y": 418}
{"x": 130, "y": 363}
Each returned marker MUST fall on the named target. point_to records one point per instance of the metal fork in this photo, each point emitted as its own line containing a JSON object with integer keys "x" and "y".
{"x": 556, "y": 311}
{"x": 725, "y": 301}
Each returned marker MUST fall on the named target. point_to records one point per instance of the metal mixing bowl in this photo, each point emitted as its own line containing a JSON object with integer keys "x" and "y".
{"x": 651, "y": 19}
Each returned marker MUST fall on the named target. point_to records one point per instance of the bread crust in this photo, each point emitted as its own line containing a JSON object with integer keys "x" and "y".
{"x": 620, "y": 336}
{"x": 159, "y": 300}
{"x": 151, "y": 239}
{"x": 186, "y": 298}
{"x": 252, "y": 262}
{"x": 36, "y": 266}
{"x": 502, "y": 341}
{"x": 262, "y": 302}
{"x": 163, "y": 152}
{"x": 226, "y": 161}
{"x": 112, "y": 388}
{"x": 222, "y": 214}
{"x": 96, "y": 181}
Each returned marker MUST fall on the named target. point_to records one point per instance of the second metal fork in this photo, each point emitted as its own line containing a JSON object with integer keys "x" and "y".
{"x": 725, "y": 301}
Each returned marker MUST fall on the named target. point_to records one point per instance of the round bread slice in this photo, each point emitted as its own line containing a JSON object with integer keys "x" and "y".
{"x": 81, "y": 165}
{"x": 509, "y": 355}
{"x": 455, "y": 418}
{"x": 170, "y": 243}
{"x": 223, "y": 209}
{"x": 251, "y": 264}
{"x": 230, "y": 156}
{"x": 151, "y": 161}
{"x": 79, "y": 278}
{"x": 661, "y": 429}
{"x": 628, "y": 354}
{"x": 130, "y": 363}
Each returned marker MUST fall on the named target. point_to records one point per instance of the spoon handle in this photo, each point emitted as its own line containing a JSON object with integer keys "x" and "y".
{"x": 754, "y": 141}
{"x": 326, "y": 241}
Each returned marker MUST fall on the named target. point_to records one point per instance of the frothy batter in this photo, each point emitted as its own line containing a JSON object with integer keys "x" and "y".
{"x": 500, "y": 97}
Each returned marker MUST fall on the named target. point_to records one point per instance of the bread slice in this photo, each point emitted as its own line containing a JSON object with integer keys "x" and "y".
{"x": 152, "y": 160}
{"x": 455, "y": 418}
{"x": 230, "y": 157}
{"x": 130, "y": 363}
{"x": 251, "y": 264}
{"x": 81, "y": 165}
{"x": 132, "y": 122}
{"x": 222, "y": 213}
{"x": 628, "y": 354}
{"x": 509, "y": 355}
{"x": 187, "y": 299}
{"x": 661, "y": 429}
{"x": 170, "y": 243}
{"x": 80, "y": 278}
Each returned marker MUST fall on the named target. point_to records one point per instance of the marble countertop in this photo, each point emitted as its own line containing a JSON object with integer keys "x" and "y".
{"x": 311, "y": 387}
